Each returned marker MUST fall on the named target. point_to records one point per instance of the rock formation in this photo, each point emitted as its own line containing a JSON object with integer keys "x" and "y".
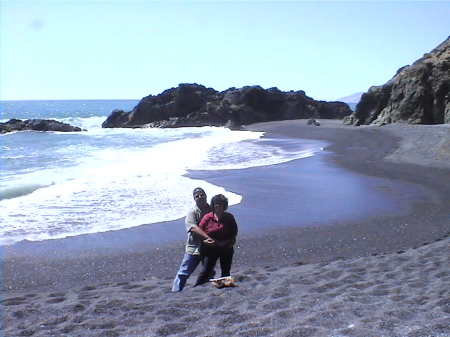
{"x": 196, "y": 105}
{"x": 37, "y": 125}
{"x": 417, "y": 94}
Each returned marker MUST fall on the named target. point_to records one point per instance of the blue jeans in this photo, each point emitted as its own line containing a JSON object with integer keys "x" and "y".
{"x": 187, "y": 267}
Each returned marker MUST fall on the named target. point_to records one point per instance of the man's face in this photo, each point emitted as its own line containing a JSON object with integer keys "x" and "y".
{"x": 200, "y": 198}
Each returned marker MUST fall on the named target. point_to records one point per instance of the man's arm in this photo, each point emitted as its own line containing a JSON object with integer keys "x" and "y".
{"x": 200, "y": 231}
{"x": 191, "y": 226}
{"x": 190, "y": 220}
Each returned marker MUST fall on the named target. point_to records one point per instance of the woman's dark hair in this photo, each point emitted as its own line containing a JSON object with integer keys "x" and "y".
{"x": 219, "y": 199}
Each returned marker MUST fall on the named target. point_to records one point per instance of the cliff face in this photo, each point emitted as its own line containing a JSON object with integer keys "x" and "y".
{"x": 417, "y": 94}
{"x": 196, "y": 105}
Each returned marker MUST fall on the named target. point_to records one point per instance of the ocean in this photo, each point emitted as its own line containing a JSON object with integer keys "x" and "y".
{"x": 55, "y": 185}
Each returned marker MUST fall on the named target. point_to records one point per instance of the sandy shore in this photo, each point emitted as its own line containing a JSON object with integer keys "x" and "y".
{"x": 382, "y": 275}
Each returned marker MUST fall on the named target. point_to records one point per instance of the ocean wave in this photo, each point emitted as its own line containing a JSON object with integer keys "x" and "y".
{"x": 258, "y": 152}
{"x": 87, "y": 123}
{"x": 9, "y": 133}
{"x": 19, "y": 191}
{"x": 83, "y": 207}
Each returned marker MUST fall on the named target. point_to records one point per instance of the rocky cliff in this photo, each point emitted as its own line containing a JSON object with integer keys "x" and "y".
{"x": 196, "y": 105}
{"x": 417, "y": 94}
{"x": 37, "y": 125}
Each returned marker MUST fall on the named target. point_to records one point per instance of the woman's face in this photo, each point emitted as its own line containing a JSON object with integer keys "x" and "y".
{"x": 219, "y": 209}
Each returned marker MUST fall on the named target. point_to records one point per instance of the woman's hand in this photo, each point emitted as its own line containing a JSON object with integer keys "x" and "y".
{"x": 209, "y": 241}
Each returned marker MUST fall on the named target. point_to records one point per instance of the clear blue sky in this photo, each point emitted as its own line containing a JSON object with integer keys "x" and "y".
{"x": 128, "y": 49}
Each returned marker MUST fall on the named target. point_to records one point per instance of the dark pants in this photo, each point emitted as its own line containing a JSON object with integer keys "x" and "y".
{"x": 210, "y": 255}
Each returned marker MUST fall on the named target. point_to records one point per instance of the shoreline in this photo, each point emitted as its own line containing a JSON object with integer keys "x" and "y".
{"x": 168, "y": 237}
{"x": 125, "y": 263}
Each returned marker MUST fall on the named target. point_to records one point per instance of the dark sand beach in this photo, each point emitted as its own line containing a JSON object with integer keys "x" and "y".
{"x": 373, "y": 261}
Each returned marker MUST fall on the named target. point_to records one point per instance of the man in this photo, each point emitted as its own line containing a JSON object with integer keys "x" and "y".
{"x": 192, "y": 257}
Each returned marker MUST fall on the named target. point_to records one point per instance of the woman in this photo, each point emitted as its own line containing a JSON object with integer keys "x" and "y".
{"x": 222, "y": 228}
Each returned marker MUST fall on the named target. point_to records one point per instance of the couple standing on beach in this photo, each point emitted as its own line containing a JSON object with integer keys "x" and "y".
{"x": 211, "y": 236}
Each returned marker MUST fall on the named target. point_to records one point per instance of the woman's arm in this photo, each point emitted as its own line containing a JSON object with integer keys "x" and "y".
{"x": 201, "y": 229}
{"x": 230, "y": 222}
{"x": 232, "y": 225}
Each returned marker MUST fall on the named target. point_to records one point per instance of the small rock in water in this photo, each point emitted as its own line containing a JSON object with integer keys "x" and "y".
{"x": 313, "y": 121}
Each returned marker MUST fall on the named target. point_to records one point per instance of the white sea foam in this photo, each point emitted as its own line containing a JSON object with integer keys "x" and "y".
{"x": 86, "y": 123}
{"x": 120, "y": 178}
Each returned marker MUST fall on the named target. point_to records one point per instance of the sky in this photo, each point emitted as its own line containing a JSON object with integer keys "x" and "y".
{"x": 57, "y": 49}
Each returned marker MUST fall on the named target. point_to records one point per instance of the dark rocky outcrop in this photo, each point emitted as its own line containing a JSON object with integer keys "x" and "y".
{"x": 196, "y": 105}
{"x": 36, "y": 125}
{"x": 417, "y": 94}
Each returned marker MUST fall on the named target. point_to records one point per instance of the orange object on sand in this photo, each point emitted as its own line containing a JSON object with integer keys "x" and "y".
{"x": 223, "y": 282}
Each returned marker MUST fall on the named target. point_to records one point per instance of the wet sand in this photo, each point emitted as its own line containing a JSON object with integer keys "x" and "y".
{"x": 360, "y": 273}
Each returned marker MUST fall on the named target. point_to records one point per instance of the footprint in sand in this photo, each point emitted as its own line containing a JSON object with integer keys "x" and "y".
{"x": 78, "y": 319}
{"x": 27, "y": 332}
{"x": 402, "y": 315}
{"x": 110, "y": 333}
{"x": 380, "y": 291}
{"x": 147, "y": 289}
{"x": 31, "y": 295}
{"x": 78, "y": 308}
{"x": 68, "y": 329}
{"x": 281, "y": 292}
{"x": 56, "y": 295}
{"x": 285, "y": 314}
{"x": 300, "y": 332}
{"x": 444, "y": 304}
{"x": 51, "y": 323}
{"x": 326, "y": 287}
{"x": 88, "y": 288}
{"x": 13, "y": 301}
{"x": 131, "y": 286}
{"x": 172, "y": 329}
{"x": 19, "y": 314}
{"x": 330, "y": 319}
{"x": 168, "y": 313}
{"x": 88, "y": 296}
{"x": 275, "y": 305}
{"x": 56, "y": 300}
{"x": 260, "y": 332}
{"x": 235, "y": 319}
{"x": 98, "y": 324}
